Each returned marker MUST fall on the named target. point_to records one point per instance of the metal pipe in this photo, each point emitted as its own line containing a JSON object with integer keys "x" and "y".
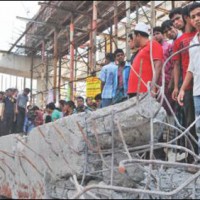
{"x": 153, "y": 16}
{"x": 90, "y": 50}
{"x": 59, "y": 78}
{"x": 47, "y": 71}
{"x": 116, "y": 24}
{"x": 31, "y": 98}
{"x": 128, "y": 4}
{"x": 94, "y": 34}
{"x": 55, "y": 60}
{"x": 72, "y": 58}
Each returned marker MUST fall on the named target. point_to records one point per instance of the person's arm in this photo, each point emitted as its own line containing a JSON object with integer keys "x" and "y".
{"x": 2, "y": 112}
{"x": 102, "y": 78}
{"x": 16, "y": 105}
{"x": 176, "y": 79}
{"x": 171, "y": 82}
{"x": 158, "y": 70}
{"x": 102, "y": 86}
{"x": 187, "y": 81}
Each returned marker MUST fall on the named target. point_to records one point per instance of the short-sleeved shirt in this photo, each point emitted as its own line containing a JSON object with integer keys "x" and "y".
{"x": 107, "y": 76}
{"x": 22, "y": 100}
{"x": 146, "y": 68}
{"x": 183, "y": 57}
{"x": 194, "y": 65}
{"x": 56, "y": 115}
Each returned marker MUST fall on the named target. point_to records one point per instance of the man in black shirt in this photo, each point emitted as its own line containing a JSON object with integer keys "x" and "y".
{"x": 9, "y": 112}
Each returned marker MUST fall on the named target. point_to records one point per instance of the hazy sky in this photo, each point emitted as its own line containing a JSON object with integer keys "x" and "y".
{"x": 11, "y": 27}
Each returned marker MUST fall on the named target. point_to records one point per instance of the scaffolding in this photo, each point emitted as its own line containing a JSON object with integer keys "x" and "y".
{"x": 72, "y": 37}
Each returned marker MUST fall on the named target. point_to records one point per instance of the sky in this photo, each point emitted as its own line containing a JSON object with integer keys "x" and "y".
{"x": 11, "y": 27}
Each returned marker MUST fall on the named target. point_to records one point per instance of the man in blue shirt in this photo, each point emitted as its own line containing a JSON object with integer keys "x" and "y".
{"x": 121, "y": 77}
{"x": 107, "y": 76}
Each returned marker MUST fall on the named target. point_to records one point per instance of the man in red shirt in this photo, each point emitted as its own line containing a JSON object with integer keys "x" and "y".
{"x": 141, "y": 72}
{"x": 181, "y": 63}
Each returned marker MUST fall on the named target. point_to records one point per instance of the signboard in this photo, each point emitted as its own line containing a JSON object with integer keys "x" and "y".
{"x": 93, "y": 86}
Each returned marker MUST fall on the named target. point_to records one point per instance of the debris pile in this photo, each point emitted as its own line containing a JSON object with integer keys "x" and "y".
{"x": 102, "y": 154}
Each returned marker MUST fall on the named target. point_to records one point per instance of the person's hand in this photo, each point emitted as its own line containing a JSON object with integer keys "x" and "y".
{"x": 154, "y": 92}
{"x": 181, "y": 97}
{"x": 175, "y": 94}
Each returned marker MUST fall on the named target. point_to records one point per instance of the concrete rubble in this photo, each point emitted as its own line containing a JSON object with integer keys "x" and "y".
{"x": 60, "y": 159}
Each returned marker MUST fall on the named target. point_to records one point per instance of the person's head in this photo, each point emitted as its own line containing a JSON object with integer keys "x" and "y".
{"x": 26, "y": 91}
{"x": 109, "y": 57}
{"x": 141, "y": 34}
{"x": 177, "y": 18}
{"x": 80, "y": 101}
{"x": 29, "y": 107}
{"x": 98, "y": 100}
{"x": 1, "y": 95}
{"x": 51, "y": 107}
{"x": 89, "y": 101}
{"x": 9, "y": 92}
{"x": 14, "y": 92}
{"x": 169, "y": 30}
{"x": 47, "y": 110}
{"x": 35, "y": 108}
{"x": 194, "y": 11}
{"x": 61, "y": 104}
{"x": 119, "y": 56}
{"x": 69, "y": 106}
{"x": 186, "y": 15}
{"x": 131, "y": 41}
{"x": 158, "y": 34}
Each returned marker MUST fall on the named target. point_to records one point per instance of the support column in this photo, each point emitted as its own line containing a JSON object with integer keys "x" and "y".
{"x": 59, "y": 78}
{"x": 76, "y": 70}
{"x": 137, "y": 12}
{"x": 128, "y": 28}
{"x": 31, "y": 95}
{"x": 94, "y": 34}
{"x": 90, "y": 49}
{"x": 153, "y": 14}
{"x": 43, "y": 70}
{"x": 111, "y": 38}
{"x": 47, "y": 72}
{"x": 116, "y": 24}
{"x": 173, "y": 4}
{"x": 72, "y": 59}
{"x": 24, "y": 83}
{"x": 55, "y": 61}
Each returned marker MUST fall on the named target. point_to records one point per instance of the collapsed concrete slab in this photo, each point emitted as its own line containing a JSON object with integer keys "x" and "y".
{"x": 42, "y": 165}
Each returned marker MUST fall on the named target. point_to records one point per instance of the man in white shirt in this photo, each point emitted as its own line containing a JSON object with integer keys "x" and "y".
{"x": 194, "y": 69}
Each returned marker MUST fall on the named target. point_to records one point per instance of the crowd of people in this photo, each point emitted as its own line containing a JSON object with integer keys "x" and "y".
{"x": 17, "y": 117}
{"x": 123, "y": 79}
